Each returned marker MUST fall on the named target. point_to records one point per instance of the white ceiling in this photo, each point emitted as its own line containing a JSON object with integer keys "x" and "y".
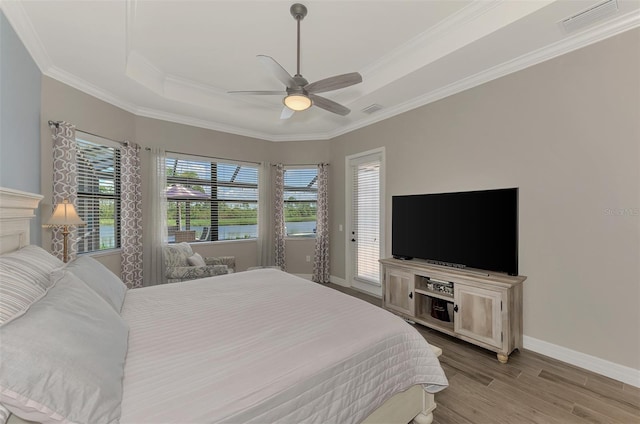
{"x": 176, "y": 60}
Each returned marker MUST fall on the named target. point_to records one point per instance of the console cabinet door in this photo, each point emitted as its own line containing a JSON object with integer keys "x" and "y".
{"x": 398, "y": 294}
{"x": 478, "y": 314}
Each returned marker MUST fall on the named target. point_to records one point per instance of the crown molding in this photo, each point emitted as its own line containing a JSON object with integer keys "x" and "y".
{"x": 216, "y": 126}
{"x": 467, "y": 14}
{"x": 93, "y": 90}
{"x": 22, "y": 25}
{"x": 611, "y": 28}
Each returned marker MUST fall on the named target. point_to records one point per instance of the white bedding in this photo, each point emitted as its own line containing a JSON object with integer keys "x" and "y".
{"x": 264, "y": 346}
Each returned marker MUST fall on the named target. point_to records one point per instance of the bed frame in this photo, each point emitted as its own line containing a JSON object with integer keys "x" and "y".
{"x": 17, "y": 210}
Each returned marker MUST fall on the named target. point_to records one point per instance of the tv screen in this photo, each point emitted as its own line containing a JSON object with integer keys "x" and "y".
{"x": 476, "y": 229}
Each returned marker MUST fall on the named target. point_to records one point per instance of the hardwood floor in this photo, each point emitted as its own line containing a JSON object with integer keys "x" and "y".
{"x": 530, "y": 388}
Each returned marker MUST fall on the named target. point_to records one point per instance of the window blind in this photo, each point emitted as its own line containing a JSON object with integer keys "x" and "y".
{"x": 210, "y": 200}
{"x": 98, "y": 195}
{"x": 300, "y": 201}
{"x": 366, "y": 220}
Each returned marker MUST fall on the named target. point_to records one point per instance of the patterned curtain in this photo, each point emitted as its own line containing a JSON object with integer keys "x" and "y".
{"x": 155, "y": 234}
{"x": 278, "y": 217}
{"x": 65, "y": 182}
{"x": 131, "y": 215}
{"x": 321, "y": 272}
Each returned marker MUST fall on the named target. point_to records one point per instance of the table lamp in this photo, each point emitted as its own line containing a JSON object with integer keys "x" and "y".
{"x": 64, "y": 215}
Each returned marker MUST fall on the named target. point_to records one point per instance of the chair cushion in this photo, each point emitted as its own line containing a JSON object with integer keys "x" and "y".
{"x": 196, "y": 260}
{"x": 177, "y": 254}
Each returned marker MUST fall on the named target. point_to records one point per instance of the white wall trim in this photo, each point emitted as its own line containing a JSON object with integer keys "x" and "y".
{"x": 600, "y": 366}
{"x": 339, "y": 281}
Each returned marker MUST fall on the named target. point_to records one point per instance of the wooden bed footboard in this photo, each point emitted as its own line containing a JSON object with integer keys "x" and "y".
{"x": 412, "y": 404}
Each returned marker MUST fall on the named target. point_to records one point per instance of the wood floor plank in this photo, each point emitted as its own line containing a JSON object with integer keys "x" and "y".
{"x": 469, "y": 399}
{"x": 591, "y": 416}
{"x": 631, "y": 389}
{"x": 619, "y": 411}
{"x": 469, "y": 371}
{"x": 618, "y": 395}
{"x": 524, "y": 399}
{"x": 445, "y": 415}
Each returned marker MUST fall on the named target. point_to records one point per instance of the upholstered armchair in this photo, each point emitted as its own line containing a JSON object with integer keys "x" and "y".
{"x": 182, "y": 264}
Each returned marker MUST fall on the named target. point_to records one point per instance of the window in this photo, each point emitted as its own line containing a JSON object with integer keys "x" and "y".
{"x": 98, "y": 197}
{"x": 300, "y": 201}
{"x": 209, "y": 200}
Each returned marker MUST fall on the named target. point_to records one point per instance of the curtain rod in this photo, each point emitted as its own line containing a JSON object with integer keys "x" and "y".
{"x": 57, "y": 125}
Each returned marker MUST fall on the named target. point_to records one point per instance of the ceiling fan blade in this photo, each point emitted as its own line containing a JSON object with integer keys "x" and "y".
{"x": 260, "y": 93}
{"x": 334, "y": 83}
{"x": 277, "y": 70}
{"x": 330, "y": 105}
{"x": 286, "y": 113}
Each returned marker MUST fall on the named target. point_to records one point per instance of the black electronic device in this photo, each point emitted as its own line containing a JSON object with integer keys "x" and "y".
{"x": 476, "y": 229}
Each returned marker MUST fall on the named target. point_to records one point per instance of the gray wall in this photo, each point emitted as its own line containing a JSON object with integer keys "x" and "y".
{"x": 567, "y": 133}
{"x": 19, "y": 118}
{"x": 61, "y": 102}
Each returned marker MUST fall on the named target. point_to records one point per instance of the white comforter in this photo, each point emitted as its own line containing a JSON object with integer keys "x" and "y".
{"x": 264, "y": 346}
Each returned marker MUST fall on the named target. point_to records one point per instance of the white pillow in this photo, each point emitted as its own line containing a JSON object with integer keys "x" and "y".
{"x": 24, "y": 278}
{"x": 196, "y": 260}
{"x": 4, "y": 414}
{"x": 63, "y": 360}
{"x": 100, "y": 279}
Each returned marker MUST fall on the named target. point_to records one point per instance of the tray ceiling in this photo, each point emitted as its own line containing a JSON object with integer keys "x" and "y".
{"x": 176, "y": 60}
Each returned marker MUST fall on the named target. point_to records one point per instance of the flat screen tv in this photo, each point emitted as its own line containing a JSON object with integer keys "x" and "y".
{"x": 475, "y": 229}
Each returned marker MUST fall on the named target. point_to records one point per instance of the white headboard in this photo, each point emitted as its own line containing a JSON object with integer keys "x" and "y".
{"x": 16, "y": 211}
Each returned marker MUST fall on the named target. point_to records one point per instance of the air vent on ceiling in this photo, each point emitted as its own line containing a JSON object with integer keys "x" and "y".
{"x": 372, "y": 108}
{"x": 589, "y": 16}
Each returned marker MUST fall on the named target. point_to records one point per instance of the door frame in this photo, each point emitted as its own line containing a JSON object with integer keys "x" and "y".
{"x": 378, "y": 153}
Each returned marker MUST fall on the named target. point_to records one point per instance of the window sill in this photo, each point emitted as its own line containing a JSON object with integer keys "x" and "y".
{"x": 205, "y": 243}
{"x": 100, "y": 253}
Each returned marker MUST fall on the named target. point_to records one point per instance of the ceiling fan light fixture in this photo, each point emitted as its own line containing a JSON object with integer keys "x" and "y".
{"x": 297, "y": 102}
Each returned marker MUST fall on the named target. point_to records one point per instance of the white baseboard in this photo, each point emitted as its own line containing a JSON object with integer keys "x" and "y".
{"x": 600, "y": 366}
{"x": 339, "y": 281}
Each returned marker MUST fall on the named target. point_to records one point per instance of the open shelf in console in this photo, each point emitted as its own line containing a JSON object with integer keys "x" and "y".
{"x": 434, "y": 301}
{"x": 435, "y": 310}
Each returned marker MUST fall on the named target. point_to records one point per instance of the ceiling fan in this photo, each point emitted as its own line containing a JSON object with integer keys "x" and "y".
{"x": 299, "y": 94}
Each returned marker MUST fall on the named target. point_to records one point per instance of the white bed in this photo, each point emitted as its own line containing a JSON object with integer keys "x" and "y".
{"x": 264, "y": 346}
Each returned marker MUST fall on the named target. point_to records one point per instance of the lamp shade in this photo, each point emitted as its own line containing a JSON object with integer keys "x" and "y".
{"x": 65, "y": 214}
{"x": 297, "y": 102}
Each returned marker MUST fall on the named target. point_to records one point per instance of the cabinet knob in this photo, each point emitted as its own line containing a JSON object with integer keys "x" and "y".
{"x": 455, "y": 308}
{"x": 411, "y": 295}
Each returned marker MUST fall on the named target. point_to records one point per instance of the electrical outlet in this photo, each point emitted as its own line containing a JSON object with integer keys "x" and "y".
{"x": 308, "y": 258}
{"x": 340, "y": 227}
